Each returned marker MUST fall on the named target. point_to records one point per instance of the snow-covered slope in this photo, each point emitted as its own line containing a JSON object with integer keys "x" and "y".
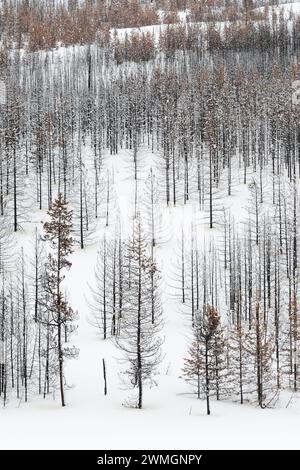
{"x": 172, "y": 417}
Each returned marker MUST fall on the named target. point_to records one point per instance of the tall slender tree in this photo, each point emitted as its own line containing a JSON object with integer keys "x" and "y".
{"x": 58, "y": 234}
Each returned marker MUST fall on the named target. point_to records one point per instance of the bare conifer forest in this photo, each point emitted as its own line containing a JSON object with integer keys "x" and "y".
{"x": 149, "y": 223}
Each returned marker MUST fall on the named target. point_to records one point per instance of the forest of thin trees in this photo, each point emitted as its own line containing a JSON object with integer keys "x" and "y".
{"x": 214, "y": 107}
{"x": 47, "y": 24}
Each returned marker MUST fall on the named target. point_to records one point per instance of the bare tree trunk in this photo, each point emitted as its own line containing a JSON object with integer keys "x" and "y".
{"x": 104, "y": 376}
{"x": 207, "y": 377}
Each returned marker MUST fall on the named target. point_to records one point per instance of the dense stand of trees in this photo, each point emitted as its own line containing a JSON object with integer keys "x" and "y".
{"x": 36, "y": 320}
{"x": 47, "y": 24}
{"x": 251, "y": 277}
{"x": 214, "y": 109}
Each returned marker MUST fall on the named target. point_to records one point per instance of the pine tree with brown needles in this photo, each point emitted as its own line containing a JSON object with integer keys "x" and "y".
{"x": 204, "y": 367}
{"x": 193, "y": 364}
{"x": 58, "y": 234}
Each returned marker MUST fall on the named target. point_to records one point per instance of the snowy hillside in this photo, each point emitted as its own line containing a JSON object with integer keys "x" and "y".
{"x": 172, "y": 417}
{"x": 150, "y": 235}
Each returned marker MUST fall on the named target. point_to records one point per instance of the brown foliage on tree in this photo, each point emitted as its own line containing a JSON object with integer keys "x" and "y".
{"x": 58, "y": 234}
{"x": 136, "y": 47}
